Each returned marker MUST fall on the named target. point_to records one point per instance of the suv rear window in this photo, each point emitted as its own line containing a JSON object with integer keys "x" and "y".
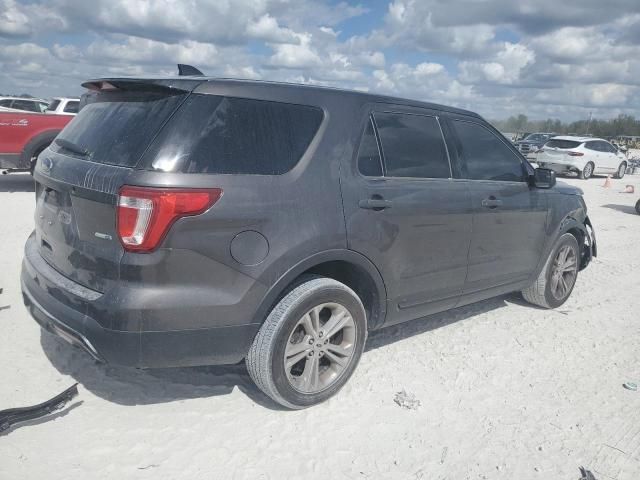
{"x": 564, "y": 144}
{"x": 117, "y": 127}
{"x": 228, "y": 135}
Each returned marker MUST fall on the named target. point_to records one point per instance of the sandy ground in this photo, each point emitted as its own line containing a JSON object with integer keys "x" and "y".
{"x": 507, "y": 391}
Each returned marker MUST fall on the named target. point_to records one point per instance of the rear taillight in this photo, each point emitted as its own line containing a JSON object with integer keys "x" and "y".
{"x": 145, "y": 214}
{"x": 575, "y": 154}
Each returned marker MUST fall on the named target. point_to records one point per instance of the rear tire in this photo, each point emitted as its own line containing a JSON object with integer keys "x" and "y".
{"x": 310, "y": 343}
{"x": 638, "y": 207}
{"x": 587, "y": 171}
{"x": 558, "y": 277}
{"x": 622, "y": 169}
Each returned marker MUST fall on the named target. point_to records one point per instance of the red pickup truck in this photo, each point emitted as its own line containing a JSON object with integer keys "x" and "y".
{"x": 23, "y": 135}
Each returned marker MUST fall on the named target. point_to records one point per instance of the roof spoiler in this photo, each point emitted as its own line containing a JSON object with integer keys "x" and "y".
{"x": 188, "y": 70}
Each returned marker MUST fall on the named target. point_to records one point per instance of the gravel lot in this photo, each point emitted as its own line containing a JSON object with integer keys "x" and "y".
{"x": 495, "y": 390}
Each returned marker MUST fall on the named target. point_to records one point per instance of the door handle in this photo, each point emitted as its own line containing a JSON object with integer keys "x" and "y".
{"x": 491, "y": 202}
{"x": 375, "y": 204}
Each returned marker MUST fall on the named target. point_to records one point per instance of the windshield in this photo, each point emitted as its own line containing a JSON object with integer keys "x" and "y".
{"x": 117, "y": 127}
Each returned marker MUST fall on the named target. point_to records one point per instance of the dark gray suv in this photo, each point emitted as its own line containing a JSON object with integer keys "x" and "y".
{"x": 192, "y": 221}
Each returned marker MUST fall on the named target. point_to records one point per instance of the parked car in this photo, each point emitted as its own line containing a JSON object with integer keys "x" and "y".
{"x": 530, "y": 145}
{"x": 585, "y": 156}
{"x": 18, "y": 104}
{"x": 191, "y": 221}
{"x": 63, "y": 106}
{"x": 24, "y": 135}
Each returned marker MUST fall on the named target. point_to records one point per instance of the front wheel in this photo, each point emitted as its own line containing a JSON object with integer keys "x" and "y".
{"x": 310, "y": 343}
{"x": 558, "y": 277}
{"x": 587, "y": 171}
{"x": 622, "y": 169}
{"x": 638, "y": 207}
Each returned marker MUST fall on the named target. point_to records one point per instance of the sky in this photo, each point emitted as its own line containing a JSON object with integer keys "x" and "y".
{"x": 544, "y": 58}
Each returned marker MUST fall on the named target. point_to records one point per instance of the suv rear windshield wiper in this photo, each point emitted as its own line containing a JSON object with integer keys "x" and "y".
{"x": 72, "y": 147}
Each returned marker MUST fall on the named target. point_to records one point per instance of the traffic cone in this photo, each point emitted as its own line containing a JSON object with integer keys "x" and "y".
{"x": 607, "y": 182}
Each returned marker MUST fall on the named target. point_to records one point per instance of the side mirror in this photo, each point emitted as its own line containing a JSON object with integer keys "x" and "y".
{"x": 544, "y": 178}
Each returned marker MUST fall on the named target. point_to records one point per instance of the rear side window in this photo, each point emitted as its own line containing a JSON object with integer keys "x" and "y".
{"x": 117, "y": 128}
{"x": 225, "y": 135}
{"x": 564, "y": 144}
{"x": 412, "y": 146}
{"x": 369, "y": 161}
{"x": 5, "y": 103}
{"x": 486, "y": 157}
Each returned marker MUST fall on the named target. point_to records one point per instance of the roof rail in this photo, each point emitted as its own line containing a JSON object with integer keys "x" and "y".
{"x": 188, "y": 70}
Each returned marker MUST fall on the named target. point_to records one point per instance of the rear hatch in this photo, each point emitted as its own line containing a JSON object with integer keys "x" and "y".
{"x": 79, "y": 176}
{"x": 557, "y": 150}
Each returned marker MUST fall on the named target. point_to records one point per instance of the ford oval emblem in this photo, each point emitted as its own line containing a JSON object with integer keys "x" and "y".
{"x": 47, "y": 164}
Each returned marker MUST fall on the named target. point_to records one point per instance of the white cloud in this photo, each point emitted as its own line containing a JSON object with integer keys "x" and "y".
{"x": 558, "y": 60}
{"x": 505, "y": 67}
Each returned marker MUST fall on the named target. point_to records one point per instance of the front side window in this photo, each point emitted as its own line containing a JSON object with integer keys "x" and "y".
{"x": 486, "y": 157}
{"x": 412, "y": 146}
{"x": 26, "y": 105}
{"x": 369, "y": 161}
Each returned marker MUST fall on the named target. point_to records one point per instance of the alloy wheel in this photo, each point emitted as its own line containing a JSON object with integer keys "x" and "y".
{"x": 588, "y": 170}
{"x": 320, "y": 348}
{"x": 564, "y": 272}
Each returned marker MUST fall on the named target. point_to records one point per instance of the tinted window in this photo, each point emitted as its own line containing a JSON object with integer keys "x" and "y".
{"x": 369, "y": 162}
{"x": 486, "y": 156}
{"x": 117, "y": 128}
{"x": 25, "y": 105}
{"x": 53, "y": 105}
{"x": 213, "y": 134}
{"x": 595, "y": 146}
{"x": 5, "y": 103}
{"x": 412, "y": 146}
{"x": 42, "y": 107}
{"x": 563, "y": 144}
{"x": 71, "y": 107}
{"x": 607, "y": 147}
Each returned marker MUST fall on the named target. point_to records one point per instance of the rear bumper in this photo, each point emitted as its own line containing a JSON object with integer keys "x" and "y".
{"x": 12, "y": 161}
{"x": 143, "y": 349}
{"x": 560, "y": 166}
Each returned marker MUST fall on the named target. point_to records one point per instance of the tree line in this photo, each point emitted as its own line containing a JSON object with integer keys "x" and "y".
{"x": 621, "y": 125}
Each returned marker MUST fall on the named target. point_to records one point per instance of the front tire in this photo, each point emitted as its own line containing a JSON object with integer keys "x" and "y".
{"x": 310, "y": 343}
{"x": 587, "y": 171}
{"x": 638, "y": 207}
{"x": 558, "y": 277}
{"x": 622, "y": 169}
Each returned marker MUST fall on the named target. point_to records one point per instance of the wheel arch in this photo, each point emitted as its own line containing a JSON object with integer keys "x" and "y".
{"x": 579, "y": 229}
{"x": 346, "y": 266}
{"x": 42, "y": 139}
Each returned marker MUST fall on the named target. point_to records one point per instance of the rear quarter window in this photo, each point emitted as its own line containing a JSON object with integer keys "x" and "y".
{"x": 228, "y": 135}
